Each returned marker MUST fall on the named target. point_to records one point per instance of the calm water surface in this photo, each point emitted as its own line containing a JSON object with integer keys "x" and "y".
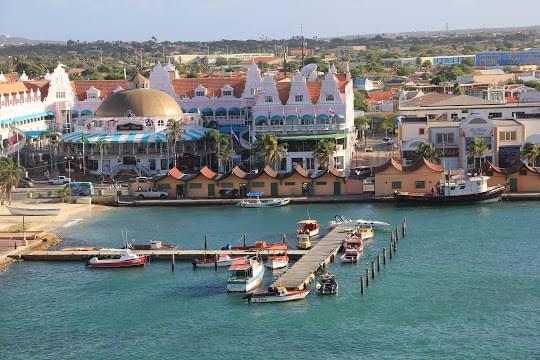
{"x": 464, "y": 284}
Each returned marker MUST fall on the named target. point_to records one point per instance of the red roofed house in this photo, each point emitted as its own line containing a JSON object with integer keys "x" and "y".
{"x": 381, "y": 101}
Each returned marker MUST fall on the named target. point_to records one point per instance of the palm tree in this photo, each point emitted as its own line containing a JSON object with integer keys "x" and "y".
{"x": 210, "y": 143}
{"x": 530, "y": 151}
{"x": 224, "y": 151}
{"x": 10, "y": 174}
{"x": 428, "y": 151}
{"x": 477, "y": 149}
{"x": 175, "y": 132}
{"x": 101, "y": 145}
{"x": 270, "y": 150}
{"x": 324, "y": 152}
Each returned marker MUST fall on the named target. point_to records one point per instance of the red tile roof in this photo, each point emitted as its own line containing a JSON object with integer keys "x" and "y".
{"x": 512, "y": 99}
{"x": 105, "y": 86}
{"x": 42, "y": 85}
{"x": 379, "y": 95}
{"x": 186, "y": 86}
{"x": 12, "y": 88}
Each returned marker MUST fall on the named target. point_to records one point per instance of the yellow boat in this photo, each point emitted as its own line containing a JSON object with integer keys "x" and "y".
{"x": 304, "y": 243}
{"x": 365, "y": 232}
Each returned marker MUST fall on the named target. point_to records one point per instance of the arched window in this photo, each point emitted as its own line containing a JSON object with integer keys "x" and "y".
{"x": 161, "y": 122}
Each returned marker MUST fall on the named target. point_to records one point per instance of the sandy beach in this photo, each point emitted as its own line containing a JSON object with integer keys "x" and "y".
{"x": 69, "y": 212}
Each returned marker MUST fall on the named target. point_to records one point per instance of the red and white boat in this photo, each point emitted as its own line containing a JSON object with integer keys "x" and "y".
{"x": 353, "y": 242}
{"x": 351, "y": 255}
{"x": 277, "y": 261}
{"x": 120, "y": 258}
{"x": 223, "y": 260}
{"x": 279, "y": 294}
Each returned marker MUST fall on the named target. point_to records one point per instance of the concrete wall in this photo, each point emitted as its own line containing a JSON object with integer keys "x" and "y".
{"x": 384, "y": 179}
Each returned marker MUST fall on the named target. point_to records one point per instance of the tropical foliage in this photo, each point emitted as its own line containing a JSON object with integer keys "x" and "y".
{"x": 530, "y": 152}
{"x": 324, "y": 152}
{"x": 477, "y": 150}
{"x": 269, "y": 150}
{"x": 224, "y": 150}
{"x": 101, "y": 146}
{"x": 10, "y": 174}
{"x": 174, "y": 134}
{"x": 428, "y": 151}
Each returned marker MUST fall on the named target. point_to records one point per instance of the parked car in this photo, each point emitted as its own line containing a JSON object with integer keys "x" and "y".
{"x": 59, "y": 180}
{"x": 26, "y": 182}
{"x": 150, "y": 194}
{"x": 229, "y": 193}
{"x": 368, "y": 148}
{"x": 387, "y": 141}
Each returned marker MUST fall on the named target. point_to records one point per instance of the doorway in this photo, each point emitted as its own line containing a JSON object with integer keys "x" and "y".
{"x": 337, "y": 188}
{"x": 513, "y": 185}
{"x": 274, "y": 189}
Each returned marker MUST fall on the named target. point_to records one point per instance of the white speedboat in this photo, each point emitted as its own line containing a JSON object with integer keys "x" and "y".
{"x": 33, "y": 211}
{"x": 327, "y": 284}
{"x": 372, "y": 223}
{"x": 247, "y": 274}
{"x": 254, "y": 201}
{"x": 342, "y": 220}
{"x": 351, "y": 255}
{"x": 279, "y": 294}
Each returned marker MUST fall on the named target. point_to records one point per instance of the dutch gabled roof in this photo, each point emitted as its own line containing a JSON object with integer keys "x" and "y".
{"x": 509, "y": 170}
{"x": 416, "y": 166}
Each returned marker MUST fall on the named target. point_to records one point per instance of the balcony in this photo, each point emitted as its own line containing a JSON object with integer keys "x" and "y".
{"x": 314, "y": 128}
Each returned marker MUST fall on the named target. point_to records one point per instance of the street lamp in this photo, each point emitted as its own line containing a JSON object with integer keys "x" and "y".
{"x": 69, "y": 159}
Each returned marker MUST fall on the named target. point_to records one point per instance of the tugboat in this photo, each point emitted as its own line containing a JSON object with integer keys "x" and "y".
{"x": 247, "y": 274}
{"x": 327, "y": 284}
{"x": 460, "y": 189}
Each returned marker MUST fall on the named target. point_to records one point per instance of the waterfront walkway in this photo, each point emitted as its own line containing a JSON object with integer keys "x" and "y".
{"x": 322, "y": 253}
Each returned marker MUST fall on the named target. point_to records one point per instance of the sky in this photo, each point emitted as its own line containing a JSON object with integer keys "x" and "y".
{"x": 205, "y": 20}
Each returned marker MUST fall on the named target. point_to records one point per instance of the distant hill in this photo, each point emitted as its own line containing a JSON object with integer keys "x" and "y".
{"x": 6, "y": 39}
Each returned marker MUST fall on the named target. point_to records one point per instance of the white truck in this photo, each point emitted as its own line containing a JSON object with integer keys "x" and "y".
{"x": 150, "y": 194}
{"x": 59, "y": 180}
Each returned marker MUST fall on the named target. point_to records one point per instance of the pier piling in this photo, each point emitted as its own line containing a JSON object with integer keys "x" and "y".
{"x": 372, "y": 269}
{"x": 361, "y": 285}
{"x": 404, "y": 227}
{"x": 390, "y": 249}
{"x": 397, "y": 234}
{"x": 216, "y": 261}
{"x": 378, "y": 263}
{"x": 367, "y": 277}
{"x": 384, "y": 256}
{"x": 172, "y": 263}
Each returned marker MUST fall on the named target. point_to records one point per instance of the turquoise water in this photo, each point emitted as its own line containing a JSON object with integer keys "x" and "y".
{"x": 465, "y": 284}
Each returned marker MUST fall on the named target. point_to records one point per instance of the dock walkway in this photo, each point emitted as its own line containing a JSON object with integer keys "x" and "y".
{"x": 322, "y": 253}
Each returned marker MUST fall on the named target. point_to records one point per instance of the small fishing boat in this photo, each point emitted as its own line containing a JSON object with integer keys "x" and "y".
{"x": 304, "y": 242}
{"x": 364, "y": 232}
{"x": 353, "y": 242}
{"x": 327, "y": 284}
{"x": 275, "y": 262}
{"x": 308, "y": 228}
{"x": 278, "y": 294}
{"x": 254, "y": 201}
{"x": 351, "y": 255}
{"x": 33, "y": 211}
{"x": 223, "y": 260}
{"x": 152, "y": 245}
{"x": 122, "y": 258}
{"x": 247, "y": 274}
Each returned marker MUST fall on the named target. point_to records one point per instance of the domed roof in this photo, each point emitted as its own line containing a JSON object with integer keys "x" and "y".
{"x": 138, "y": 102}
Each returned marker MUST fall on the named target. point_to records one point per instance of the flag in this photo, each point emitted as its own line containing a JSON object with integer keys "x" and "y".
{"x": 234, "y": 136}
{"x": 84, "y": 139}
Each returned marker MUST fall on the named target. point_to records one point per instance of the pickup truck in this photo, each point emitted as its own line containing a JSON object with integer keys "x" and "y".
{"x": 150, "y": 194}
{"x": 59, "y": 180}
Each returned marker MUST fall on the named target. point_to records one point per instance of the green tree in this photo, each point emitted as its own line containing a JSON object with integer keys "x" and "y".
{"x": 175, "y": 130}
{"x": 427, "y": 64}
{"x": 361, "y": 124}
{"x": 324, "y": 152}
{"x": 477, "y": 149}
{"x": 530, "y": 152}
{"x": 101, "y": 146}
{"x": 224, "y": 151}
{"x": 387, "y": 123}
{"x": 405, "y": 70}
{"x": 211, "y": 139}
{"x": 457, "y": 89}
{"x": 359, "y": 101}
{"x": 221, "y": 61}
{"x": 269, "y": 150}
{"x": 10, "y": 174}
{"x": 428, "y": 151}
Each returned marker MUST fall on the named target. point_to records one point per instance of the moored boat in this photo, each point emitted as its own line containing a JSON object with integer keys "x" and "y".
{"x": 152, "y": 245}
{"x": 258, "y": 246}
{"x": 353, "y": 242}
{"x": 277, "y": 261}
{"x": 223, "y": 260}
{"x": 327, "y": 284}
{"x": 304, "y": 242}
{"x": 308, "y": 228}
{"x": 342, "y": 220}
{"x": 254, "y": 201}
{"x": 460, "y": 189}
{"x": 351, "y": 255}
{"x": 364, "y": 232}
{"x": 33, "y": 211}
{"x": 278, "y": 294}
{"x": 122, "y": 258}
{"x": 247, "y": 274}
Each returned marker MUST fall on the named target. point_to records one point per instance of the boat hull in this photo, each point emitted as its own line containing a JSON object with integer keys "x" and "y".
{"x": 270, "y": 297}
{"x": 104, "y": 264}
{"x": 276, "y": 264}
{"x": 265, "y": 203}
{"x": 248, "y": 284}
{"x": 32, "y": 212}
{"x": 492, "y": 195}
{"x": 304, "y": 245}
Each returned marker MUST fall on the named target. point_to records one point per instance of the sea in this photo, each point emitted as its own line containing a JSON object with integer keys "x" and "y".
{"x": 464, "y": 284}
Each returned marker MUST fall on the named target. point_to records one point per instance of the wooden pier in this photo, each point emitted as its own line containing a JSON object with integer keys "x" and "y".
{"x": 322, "y": 253}
{"x": 185, "y": 255}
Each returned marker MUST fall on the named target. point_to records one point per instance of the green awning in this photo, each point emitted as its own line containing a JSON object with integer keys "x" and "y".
{"x": 312, "y": 137}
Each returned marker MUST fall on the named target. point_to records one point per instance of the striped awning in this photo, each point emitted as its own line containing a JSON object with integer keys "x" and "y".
{"x": 132, "y": 138}
{"x": 17, "y": 119}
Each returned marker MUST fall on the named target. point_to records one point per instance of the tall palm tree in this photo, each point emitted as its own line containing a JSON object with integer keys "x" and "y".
{"x": 428, "y": 151}
{"x": 530, "y": 151}
{"x": 268, "y": 148}
{"x": 477, "y": 149}
{"x": 101, "y": 145}
{"x": 324, "y": 152}
{"x": 211, "y": 139}
{"x": 224, "y": 152}
{"x": 10, "y": 174}
{"x": 175, "y": 132}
